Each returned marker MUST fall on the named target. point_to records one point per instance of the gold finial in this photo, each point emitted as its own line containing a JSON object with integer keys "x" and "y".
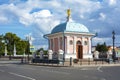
{"x": 68, "y": 12}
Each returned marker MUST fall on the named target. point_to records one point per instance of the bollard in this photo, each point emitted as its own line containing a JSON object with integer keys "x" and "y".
{"x": 10, "y": 58}
{"x": 25, "y": 60}
{"x": 88, "y": 61}
{"x": 102, "y": 61}
{"x": 96, "y": 62}
{"x": 22, "y": 60}
{"x": 80, "y": 61}
{"x": 70, "y": 61}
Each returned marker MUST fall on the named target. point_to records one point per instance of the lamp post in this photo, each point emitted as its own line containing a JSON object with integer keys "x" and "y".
{"x": 28, "y": 46}
{"x": 11, "y": 41}
{"x": 113, "y": 37}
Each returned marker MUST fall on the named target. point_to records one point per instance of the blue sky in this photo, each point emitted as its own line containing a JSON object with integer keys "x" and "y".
{"x": 39, "y": 17}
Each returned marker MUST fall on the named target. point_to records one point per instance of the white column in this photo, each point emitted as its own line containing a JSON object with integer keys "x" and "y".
{"x": 83, "y": 44}
{"x": 14, "y": 51}
{"x": 74, "y": 44}
{"x": 89, "y": 41}
{"x": 82, "y": 41}
{"x": 50, "y": 52}
{"x": 67, "y": 44}
{"x": 5, "y": 50}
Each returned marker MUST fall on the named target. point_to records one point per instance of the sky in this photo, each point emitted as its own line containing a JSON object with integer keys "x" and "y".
{"x": 38, "y": 17}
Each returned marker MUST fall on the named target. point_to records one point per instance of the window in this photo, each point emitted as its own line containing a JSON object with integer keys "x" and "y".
{"x": 79, "y": 43}
{"x": 71, "y": 42}
{"x": 85, "y": 43}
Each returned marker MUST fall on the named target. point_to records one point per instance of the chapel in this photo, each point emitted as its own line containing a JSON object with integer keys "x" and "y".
{"x": 71, "y": 37}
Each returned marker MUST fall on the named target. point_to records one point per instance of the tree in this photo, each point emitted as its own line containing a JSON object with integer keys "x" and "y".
{"x": 12, "y": 39}
{"x": 45, "y": 51}
{"x": 101, "y": 47}
{"x": 1, "y": 45}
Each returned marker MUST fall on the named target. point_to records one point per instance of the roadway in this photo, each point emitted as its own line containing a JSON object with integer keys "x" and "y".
{"x": 16, "y": 71}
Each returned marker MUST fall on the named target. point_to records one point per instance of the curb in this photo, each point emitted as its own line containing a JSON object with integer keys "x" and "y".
{"x": 105, "y": 65}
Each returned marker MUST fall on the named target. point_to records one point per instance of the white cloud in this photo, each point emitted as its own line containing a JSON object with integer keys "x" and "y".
{"x": 3, "y": 19}
{"x": 97, "y": 40}
{"x": 112, "y": 2}
{"x": 85, "y": 7}
{"x": 98, "y": 16}
{"x": 102, "y": 16}
{"x": 26, "y": 19}
{"x": 44, "y": 20}
{"x": 42, "y": 14}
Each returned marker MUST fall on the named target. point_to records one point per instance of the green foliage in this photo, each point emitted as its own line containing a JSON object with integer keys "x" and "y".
{"x": 45, "y": 51}
{"x": 9, "y": 40}
{"x": 2, "y": 45}
{"x": 101, "y": 47}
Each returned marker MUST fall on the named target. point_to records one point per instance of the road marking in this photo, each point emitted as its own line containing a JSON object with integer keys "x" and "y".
{"x": 85, "y": 69}
{"x": 21, "y": 76}
{"x": 99, "y": 69}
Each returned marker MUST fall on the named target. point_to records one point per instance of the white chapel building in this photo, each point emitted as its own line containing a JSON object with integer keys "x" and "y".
{"x": 71, "y": 37}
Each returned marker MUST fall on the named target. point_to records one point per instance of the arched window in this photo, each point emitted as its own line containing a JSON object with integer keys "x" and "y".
{"x": 85, "y": 43}
{"x": 71, "y": 42}
{"x": 78, "y": 42}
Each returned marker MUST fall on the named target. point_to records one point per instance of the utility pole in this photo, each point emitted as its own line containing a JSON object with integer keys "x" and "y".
{"x": 113, "y": 37}
{"x": 28, "y": 46}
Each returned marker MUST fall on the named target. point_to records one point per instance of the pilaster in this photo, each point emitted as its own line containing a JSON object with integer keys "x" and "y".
{"x": 74, "y": 44}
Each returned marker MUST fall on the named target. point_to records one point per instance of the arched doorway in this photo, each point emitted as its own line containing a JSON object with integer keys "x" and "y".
{"x": 79, "y": 50}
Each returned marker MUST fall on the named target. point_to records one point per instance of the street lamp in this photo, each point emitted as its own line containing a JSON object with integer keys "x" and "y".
{"x": 28, "y": 46}
{"x": 11, "y": 48}
{"x": 113, "y": 37}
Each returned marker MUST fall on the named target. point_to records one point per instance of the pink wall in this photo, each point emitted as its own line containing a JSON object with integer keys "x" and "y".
{"x": 56, "y": 44}
{"x": 85, "y": 46}
{"x": 70, "y": 47}
{"x": 51, "y": 44}
{"x": 85, "y": 49}
{"x": 61, "y": 42}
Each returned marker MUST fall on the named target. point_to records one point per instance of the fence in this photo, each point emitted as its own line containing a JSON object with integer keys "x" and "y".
{"x": 89, "y": 61}
{"x": 74, "y": 62}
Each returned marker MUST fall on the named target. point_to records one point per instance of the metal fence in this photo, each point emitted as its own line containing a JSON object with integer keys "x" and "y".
{"x": 89, "y": 61}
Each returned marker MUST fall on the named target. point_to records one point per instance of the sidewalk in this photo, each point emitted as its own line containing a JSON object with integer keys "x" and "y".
{"x": 105, "y": 65}
{"x": 84, "y": 63}
{"x": 67, "y": 64}
{"x": 10, "y": 61}
{"x": 93, "y": 63}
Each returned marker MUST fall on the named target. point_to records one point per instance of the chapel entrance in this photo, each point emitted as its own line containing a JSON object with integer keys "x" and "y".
{"x": 79, "y": 50}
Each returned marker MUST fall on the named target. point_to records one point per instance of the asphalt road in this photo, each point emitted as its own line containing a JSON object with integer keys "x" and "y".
{"x": 30, "y": 72}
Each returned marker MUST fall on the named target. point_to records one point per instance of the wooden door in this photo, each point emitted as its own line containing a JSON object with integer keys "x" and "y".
{"x": 79, "y": 50}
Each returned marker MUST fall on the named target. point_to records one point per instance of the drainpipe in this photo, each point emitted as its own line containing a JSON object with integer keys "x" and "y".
{"x": 48, "y": 40}
{"x": 64, "y": 46}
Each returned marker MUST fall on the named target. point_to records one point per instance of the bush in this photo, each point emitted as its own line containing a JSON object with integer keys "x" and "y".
{"x": 75, "y": 60}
